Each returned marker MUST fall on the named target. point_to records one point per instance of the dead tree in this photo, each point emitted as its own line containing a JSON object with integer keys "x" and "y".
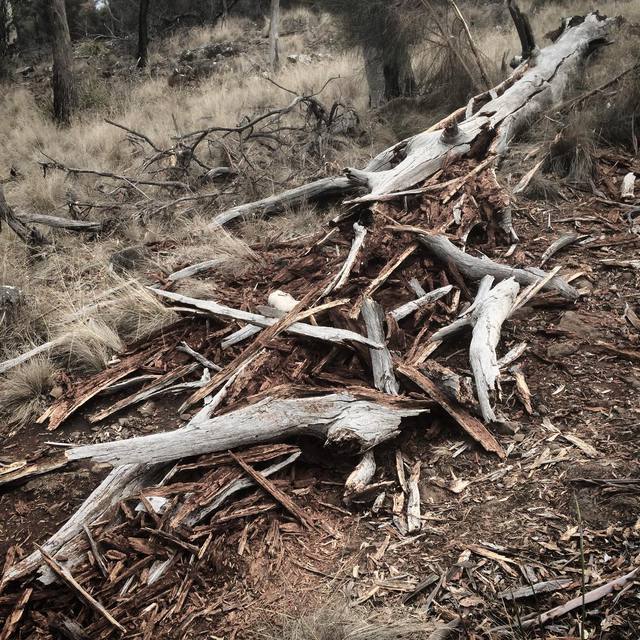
{"x": 274, "y": 54}
{"x": 7, "y": 33}
{"x": 64, "y": 96}
{"x": 484, "y": 128}
{"x": 143, "y": 33}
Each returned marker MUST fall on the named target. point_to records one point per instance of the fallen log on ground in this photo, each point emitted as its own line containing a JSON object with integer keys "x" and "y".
{"x": 339, "y": 419}
{"x": 312, "y": 192}
{"x": 484, "y": 129}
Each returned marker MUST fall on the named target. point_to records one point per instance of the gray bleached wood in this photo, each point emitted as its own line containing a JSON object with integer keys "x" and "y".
{"x": 536, "y": 85}
{"x": 487, "y": 320}
{"x": 360, "y": 477}
{"x": 328, "y": 334}
{"x": 628, "y": 186}
{"x": 311, "y": 192}
{"x": 337, "y": 418}
{"x": 343, "y": 275}
{"x": 486, "y": 315}
{"x": 194, "y": 269}
{"x": 384, "y": 378}
{"x": 476, "y": 268}
{"x": 413, "y": 305}
{"x": 541, "y": 86}
{"x": 32, "y": 353}
{"x": 59, "y": 223}
{"x": 559, "y": 244}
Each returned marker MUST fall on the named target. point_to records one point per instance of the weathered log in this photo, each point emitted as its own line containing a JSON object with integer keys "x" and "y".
{"x": 194, "y": 269}
{"x": 60, "y": 223}
{"x": 328, "y": 334}
{"x": 316, "y": 191}
{"x": 336, "y": 418}
{"x": 476, "y": 268}
{"x": 540, "y": 87}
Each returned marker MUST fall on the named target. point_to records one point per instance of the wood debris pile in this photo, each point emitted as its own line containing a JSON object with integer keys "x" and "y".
{"x": 391, "y": 320}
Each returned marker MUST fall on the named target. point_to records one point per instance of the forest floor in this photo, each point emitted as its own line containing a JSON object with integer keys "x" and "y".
{"x": 563, "y": 506}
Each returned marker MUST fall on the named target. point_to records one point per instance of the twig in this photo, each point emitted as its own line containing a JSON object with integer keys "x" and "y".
{"x": 273, "y": 491}
{"x": 472, "y": 44}
{"x": 70, "y": 581}
{"x": 54, "y": 164}
{"x": 135, "y": 133}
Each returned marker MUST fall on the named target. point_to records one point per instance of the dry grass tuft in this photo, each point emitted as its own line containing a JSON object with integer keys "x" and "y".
{"x": 542, "y": 188}
{"x": 571, "y": 154}
{"x": 134, "y": 312}
{"x": 340, "y": 622}
{"x": 89, "y": 347}
{"x": 24, "y": 391}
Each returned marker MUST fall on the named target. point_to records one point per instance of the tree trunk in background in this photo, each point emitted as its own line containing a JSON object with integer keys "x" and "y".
{"x": 274, "y": 54}
{"x": 64, "y": 97}
{"x": 143, "y": 33}
{"x": 388, "y": 66}
{"x": 7, "y": 34}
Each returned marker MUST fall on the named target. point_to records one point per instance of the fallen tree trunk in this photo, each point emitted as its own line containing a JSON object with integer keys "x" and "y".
{"x": 312, "y": 192}
{"x": 337, "y": 418}
{"x": 485, "y": 126}
{"x": 490, "y": 130}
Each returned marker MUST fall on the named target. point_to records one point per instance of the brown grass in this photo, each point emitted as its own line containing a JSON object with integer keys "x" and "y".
{"x": 24, "y": 393}
{"x": 89, "y": 346}
{"x": 341, "y": 622}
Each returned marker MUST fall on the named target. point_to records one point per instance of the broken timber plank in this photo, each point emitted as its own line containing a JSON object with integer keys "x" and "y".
{"x": 328, "y": 334}
{"x": 470, "y": 424}
{"x": 273, "y": 491}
